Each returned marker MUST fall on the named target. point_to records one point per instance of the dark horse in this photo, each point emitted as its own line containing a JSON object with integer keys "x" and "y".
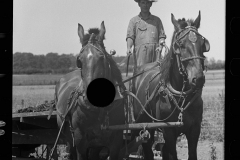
{"x": 82, "y": 129}
{"x": 180, "y": 80}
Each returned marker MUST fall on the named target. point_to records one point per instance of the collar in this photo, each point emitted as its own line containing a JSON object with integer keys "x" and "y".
{"x": 149, "y": 16}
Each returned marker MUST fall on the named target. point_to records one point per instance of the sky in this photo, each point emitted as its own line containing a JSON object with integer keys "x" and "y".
{"x": 44, "y": 26}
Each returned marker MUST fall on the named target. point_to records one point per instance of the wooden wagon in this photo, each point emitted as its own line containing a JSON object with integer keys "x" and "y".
{"x": 32, "y": 131}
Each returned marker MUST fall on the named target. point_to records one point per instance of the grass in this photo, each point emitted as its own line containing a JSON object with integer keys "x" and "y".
{"x": 206, "y": 150}
{"x": 35, "y": 79}
{"x": 25, "y": 96}
{"x": 52, "y": 79}
{"x": 213, "y": 153}
{"x": 213, "y": 118}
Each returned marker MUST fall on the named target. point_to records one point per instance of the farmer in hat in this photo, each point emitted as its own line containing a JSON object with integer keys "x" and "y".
{"x": 146, "y": 33}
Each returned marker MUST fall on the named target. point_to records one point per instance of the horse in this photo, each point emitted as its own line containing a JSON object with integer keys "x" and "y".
{"x": 84, "y": 130}
{"x": 176, "y": 88}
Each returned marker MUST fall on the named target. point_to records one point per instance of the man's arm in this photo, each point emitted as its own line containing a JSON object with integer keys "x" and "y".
{"x": 129, "y": 45}
{"x": 131, "y": 35}
{"x": 162, "y": 35}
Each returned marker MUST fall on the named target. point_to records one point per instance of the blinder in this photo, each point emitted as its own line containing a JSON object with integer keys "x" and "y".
{"x": 206, "y": 45}
{"x": 177, "y": 45}
{"x": 79, "y": 63}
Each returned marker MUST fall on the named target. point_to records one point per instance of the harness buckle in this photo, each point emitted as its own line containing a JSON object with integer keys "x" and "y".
{"x": 180, "y": 116}
{"x": 144, "y": 135}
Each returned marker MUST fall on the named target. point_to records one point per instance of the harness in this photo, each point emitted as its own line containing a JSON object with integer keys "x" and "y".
{"x": 78, "y": 93}
{"x": 166, "y": 90}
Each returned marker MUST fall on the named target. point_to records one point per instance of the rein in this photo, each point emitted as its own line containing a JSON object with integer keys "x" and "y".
{"x": 72, "y": 100}
{"x": 158, "y": 63}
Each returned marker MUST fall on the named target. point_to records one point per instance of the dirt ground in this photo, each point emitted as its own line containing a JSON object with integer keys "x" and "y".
{"x": 203, "y": 150}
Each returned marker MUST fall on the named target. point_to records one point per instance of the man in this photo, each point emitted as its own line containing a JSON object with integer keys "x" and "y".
{"x": 146, "y": 33}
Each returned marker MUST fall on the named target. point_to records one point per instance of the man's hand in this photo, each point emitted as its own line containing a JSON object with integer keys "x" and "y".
{"x": 159, "y": 49}
{"x": 161, "y": 42}
{"x": 129, "y": 51}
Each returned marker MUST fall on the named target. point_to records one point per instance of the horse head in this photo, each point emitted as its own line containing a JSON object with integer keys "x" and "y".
{"x": 188, "y": 47}
{"x": 92, "y": 58}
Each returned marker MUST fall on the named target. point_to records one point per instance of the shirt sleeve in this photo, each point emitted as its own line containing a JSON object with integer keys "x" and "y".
{"x": 161, "y": 30}
{"x": 131, "y": 31}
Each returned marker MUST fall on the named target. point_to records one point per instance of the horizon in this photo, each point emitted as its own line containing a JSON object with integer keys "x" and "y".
{"x": 41, "y": 27}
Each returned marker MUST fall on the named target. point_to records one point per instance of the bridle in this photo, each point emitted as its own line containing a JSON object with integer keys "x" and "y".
{"x": 187, "y": 29}
{"x": 91, "y": 42}
{"x": 180, "y": 60}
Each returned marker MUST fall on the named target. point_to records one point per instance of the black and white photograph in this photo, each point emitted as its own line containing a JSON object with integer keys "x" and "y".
{"x": 118, "y": 80}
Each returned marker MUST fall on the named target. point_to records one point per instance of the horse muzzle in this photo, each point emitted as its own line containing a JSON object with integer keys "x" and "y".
{"x": 198, "y": 82}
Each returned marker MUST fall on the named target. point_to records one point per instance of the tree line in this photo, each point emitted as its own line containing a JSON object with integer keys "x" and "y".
{"x": 28, "y": 63}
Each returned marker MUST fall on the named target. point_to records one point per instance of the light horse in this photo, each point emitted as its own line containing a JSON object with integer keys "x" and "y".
{"x": 178, "y": 83}
{"x": 82, "y": 129}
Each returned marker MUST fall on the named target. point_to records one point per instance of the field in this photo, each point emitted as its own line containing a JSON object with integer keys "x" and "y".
{"x": 49, "y": 79}
{"x": 29, "y": 90}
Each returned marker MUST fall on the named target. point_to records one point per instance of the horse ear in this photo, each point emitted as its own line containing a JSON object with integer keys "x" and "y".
{"x": 80, "y": 32}
{"x": 174, "y": 22}
{"x": 197, "y": 20}
{"x": 206, "y": 45}
{"x": 102, "y": 30}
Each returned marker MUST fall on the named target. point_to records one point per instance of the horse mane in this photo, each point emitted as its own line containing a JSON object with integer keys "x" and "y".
{"x": 87, "y": 36}
{"x": 166, "y": 64}
{"x": 115, "y": 71}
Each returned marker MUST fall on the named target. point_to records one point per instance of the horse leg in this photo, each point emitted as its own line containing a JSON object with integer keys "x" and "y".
{"x": 116, "y": 145}
{"x": 70, "y": 151}
{"x": 192, "y": 138}
{"x": 65, "y": 133}
{"x": 147, "y": 147}
{"x": 169, "y": 148}
{"x": 79, "y": 145}
{"x": 165, "y": 152}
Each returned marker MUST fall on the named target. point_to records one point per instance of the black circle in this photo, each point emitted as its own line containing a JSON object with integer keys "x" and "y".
{"x": 101, "y": 92}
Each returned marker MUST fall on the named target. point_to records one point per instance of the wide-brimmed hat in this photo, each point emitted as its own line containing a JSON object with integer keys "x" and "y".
{"x": 147, "y": 0}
